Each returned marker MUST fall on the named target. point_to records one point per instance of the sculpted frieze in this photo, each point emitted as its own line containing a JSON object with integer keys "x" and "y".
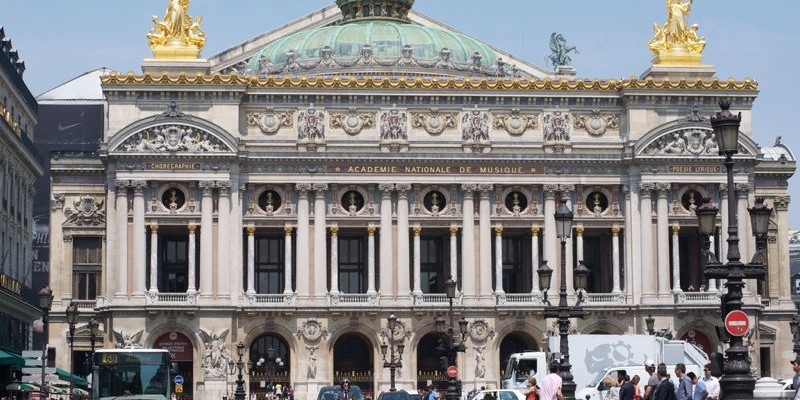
{"x": 87, "y": 211}
{"x": 394, "y": 125}
{"x": 434, "y": 122}
{"x": 515, "y": 123}
{"x": 475, "y": 126}
{"x": 352, "y": 122}
{"x": 173, "y": 138}
{"x": 270, "y": 121}
{"x": 556, "y": 127}
{"x": 596, "y": 124}
{"x": 311, "y": 125}
{"x": 685, "y": 142}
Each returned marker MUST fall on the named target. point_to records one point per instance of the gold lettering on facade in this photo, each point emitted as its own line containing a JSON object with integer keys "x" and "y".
{"x": 694, "y": 169}
{"x": 173, "y": 166}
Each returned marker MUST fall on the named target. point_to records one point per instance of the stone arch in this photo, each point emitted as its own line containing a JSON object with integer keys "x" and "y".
{"x": 140, "y": 137}
{"x": 269, "y": 371}
{"x": 708, "y": 330}
{"x": 265, "y": 328}
{"x": 604, "y": 328}
{"x": 354, "y": 357}
{"x": 516, "y": 341}
{"x": 192, "y": 374}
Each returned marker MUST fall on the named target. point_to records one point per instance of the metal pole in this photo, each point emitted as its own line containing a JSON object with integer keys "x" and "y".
{"x": 43, "y": 388}
{"x": 392, "y": 367}
{"x": 71, "y": 355}
{"x": 568, "y": 385}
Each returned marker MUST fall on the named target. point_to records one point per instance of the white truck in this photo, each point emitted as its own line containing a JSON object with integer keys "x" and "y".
{"x": 593, "y": 357}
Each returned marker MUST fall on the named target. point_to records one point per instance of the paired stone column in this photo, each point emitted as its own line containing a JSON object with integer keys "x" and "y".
{"x": 579, "y": 241}
{"x": 303, "y": 237}
{"x": 551, "y": 253}
{"x": 206, "y": 239}
{"x": 320, "y": 243}
{"x": 746, "y": 247}
{"x": 647, "y": 270}
{"x": 287, "y": 259}
{"x": 485, "y": 241}
{"x": 676, "y": 258}
{"x": 454, "y": 252}
{"x": 403, "y": 248}
{"x": 224, "y": 264}
{"x": 371, "y": 259}
{"x": 154, "y": 258}
{"x": 417, "y": 258}
{"x": 110, "y": 244}
{"x": 139, "y": 239}
{"x": 334, "y": 259}
{"x": 662, "y": 238}
{"x": 121, "y": 211}
{"x": 468, "y": 283}
{"x": 191, "y": 288}
{"x": 251, "y": 260}
{"x": 615, "y": 258}
{"x": 535, "y": 259}
{"x": 387, "y": 255}
{"x": 498, "y": 260}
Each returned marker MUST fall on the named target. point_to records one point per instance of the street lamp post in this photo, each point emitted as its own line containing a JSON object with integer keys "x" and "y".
{"x": 395, "y": 351}
{"x": 271, "y": 364}
{"x": 45, "y": 301}
{"x": 72, "y": 319}
{"x": 563, "y": 311}
{"x": 736, "y": 383}
{"x": 239, "y": 394}
{"x": 94, "y": 332}
{"x": 452, "y": 344}
{"x": 793, "y": 325}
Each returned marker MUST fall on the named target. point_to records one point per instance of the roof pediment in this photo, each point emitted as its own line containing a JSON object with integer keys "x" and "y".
{"x": 687, "y": 138}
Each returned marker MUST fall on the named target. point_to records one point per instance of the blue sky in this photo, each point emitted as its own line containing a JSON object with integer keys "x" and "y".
{"x": 61, "y": 39}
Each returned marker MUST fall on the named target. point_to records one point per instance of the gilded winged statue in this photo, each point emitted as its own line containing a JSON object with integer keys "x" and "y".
{"x": 177, "y": 27}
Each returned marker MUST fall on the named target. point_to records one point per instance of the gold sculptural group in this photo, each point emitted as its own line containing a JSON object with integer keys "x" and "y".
{"x": 178, "y": 35}
{"x": 677, "y": 42}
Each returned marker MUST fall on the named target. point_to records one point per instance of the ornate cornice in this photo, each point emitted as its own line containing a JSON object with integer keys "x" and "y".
{"x": 433, "y": 83}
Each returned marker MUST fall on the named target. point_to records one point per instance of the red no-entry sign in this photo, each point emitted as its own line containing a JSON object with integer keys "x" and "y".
{"x": 737, "y": 323}
{"x": 452, "y": 371}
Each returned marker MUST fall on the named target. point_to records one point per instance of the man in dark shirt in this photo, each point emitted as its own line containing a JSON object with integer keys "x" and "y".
{"x": 665, "y": 389}
{"x": 626, "y": 389}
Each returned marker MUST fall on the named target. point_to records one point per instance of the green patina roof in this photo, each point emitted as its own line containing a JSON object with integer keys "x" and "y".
{"x": 386, "y": 37}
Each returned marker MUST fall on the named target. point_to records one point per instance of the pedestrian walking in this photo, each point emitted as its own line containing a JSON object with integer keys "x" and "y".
{"x": 626, "y": 390}
{"x": 665, "y": 389}
{"x": 550, "y": 388}
{"x": 652, "y": 381}
{"x": 684, "y": 389}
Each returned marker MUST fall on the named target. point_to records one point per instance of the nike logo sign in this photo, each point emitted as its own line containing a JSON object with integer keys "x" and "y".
{"x": 62, "y": 128}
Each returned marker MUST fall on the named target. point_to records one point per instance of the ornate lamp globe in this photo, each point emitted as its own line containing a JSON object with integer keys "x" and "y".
{"x": 564, "y": 218}
{"x": 707, "y": 218}
{"x": 94, "y": 327}
{"x": 72, "y": 314}
{"x": 581, "y": 276}
{"x": 45, "y": 298}
{"x": 240, "y": 349}
{"x": 545, "y": 275}
{"x": 650, "y": 322}
{"x": 451, "y": 288}
{"x": 726, "y": 129}
{"x": 759, "y": 217}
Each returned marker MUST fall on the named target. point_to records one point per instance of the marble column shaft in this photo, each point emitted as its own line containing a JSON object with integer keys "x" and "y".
{"x": 139, "y": 239}
{"x": 454, "y": 253}
{"x": 535, "y": 259}
{"x": 417, "y": 258}
{"x": 551, "y": 252}
{"x": 498, "y": 260}
{"x": 320, "y": 242}
{"x": 403, "y": 247}
{"x": 224, "y": 263}
{"x": 287, "y": 260}
{"x": 191, "y": 287}
{"x": 371, "y": 259}
{"x": 676, "y": 258}
{"x": 154, "y": 258}
{"x": 469, "y": 280}
{"x": 648, "y": 270}
{"x": 206, "y": 239}
{"x": 388, "y": 271}
{"x": 662, "y": 239}
{"x": 485, "y": 241}
{"x": 334, "y": 259}
{"x": 615, "y": 259}
{"x": 303, "y": 237}
{"x": 121, "y": 270}
{"x": 251, "y": 260}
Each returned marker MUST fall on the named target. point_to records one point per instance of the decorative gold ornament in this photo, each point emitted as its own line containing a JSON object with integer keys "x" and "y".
{"x": 677, "y": 43}
{"x": 178, "y": 36}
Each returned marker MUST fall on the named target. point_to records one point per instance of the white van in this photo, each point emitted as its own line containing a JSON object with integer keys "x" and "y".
{"x": 596, "y": 389}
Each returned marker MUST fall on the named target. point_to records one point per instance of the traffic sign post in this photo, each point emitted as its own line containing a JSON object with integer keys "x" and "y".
{"x": 178, "y": 388}
{"x": 737, "y": 323}
{"x": 452, "y": 371}
{"x": 178, "y": 379}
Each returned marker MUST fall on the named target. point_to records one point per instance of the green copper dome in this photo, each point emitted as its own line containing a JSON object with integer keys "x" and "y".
{"x": 386, "y": 39}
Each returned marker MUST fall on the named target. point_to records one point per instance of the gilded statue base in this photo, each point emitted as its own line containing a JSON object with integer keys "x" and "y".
{"x": 171, "y": 52}
{"x": 678, "y": 58}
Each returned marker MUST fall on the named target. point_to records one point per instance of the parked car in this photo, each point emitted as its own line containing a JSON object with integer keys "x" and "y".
{"x": 332, "y": 392}
{"x": 499, "y": 394}
{"x": 415, "y": 396}
{"x": 396, "y": 395}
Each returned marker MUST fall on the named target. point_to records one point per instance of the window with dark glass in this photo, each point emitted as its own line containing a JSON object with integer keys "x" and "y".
{"x": 691, "y": 260}
{"x": 352, "y": 263}
{"x": 173, "y": 267}
{"x": 86, "y": 266}
{"x": 516, "y": 262}
{"x": 269, "y": 260}
{"x": 598, "y": 258}
{"x": 434, "y": 262}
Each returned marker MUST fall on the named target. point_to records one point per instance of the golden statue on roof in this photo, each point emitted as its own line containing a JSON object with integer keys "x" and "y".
{"x": 677, "y": 42}
{"x": 177, "y": 36}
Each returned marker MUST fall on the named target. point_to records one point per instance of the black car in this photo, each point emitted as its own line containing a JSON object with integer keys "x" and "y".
{"x": 332, "y": 392}
{"x": 396, "y": 395}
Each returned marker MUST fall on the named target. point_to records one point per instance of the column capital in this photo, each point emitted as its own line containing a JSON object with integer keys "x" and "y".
{"x": 371, "y": 230}
{"x": 154, "y": 227}
{"x": 386, "y": 187}
{"x": 251, "y": 230}
{"x": 417, "y": 230}
{"x": 453, "y": 229}
{"x": 138, "y": 186}
{"x": 287, "y": 229}
{"x": 676, "y": 227}
{"x": 498, "y": 229}
{"x": 535, "y": 230}
{"x": 646, "y": 187}
{"x": 742, "y": 189}
{"x": 303, "y": 188}
{"x": 663, "y": 188}
{"x": 781, "y": 203}
{"x": 320, "y": 187}
{"x": 224, "y": 187}
{"x": 469, "y": 187}
{"x": 723, "y": 189}
{"x": 122, "y": 184}
{"x": 402, "y": 188}
{"x": 192, "y": 228}
{"x": 549, "y": 190}
{"x": 579, "y": 230}
{"x": 566, "y": 188}
{"x": 334, "y": 229}
{"x": 485, "y": 187}
{"x": 206, "y": 187}
{"x": 615, "y": 230}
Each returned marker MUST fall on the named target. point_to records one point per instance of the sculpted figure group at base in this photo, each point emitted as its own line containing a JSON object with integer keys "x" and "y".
{"x": 676, "y": 32}
{"x": 177, "y": 25}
